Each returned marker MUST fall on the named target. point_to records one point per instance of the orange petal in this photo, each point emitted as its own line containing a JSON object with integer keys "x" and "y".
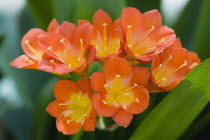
{"x": 152, "y": 18}
{"x": 30, "y": 46}
{"x": 82, "y": 36}
{"x": 55, "y": 109}
{"x": 123, "y": 118}
{"x": 55, "y": 45}
{"x": 141, "y": 75}
{"x": 80, "y": 22}
{"x": 177, "y": 44}
{"x": 84, "y": 85}
{"x": 24, "y": 62}
{"x": 195, "y": 60}
{"x": 141, "y": 102}
{"x": 63, "y": 90}
{"x": 117, "y": 67}
{"x": 65, "y": 127}
{"x": 90, "y": 121}
{"x": 53, "y": 26}
{"x": 104, "y": 109}
{"x": 97, "y": 82}
{"x": 67, "y": 29}
{"x": 100, "y": 20}
{"x": 131, "y": 17}
{"x": 153, "y": 87}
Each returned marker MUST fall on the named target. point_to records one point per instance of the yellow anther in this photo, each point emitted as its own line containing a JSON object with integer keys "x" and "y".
{"x": 163, "y": 79}
{"x": 104, "y": 24}
{"x": 81, "y": 41}
{"x": 129, "y": 26}
{"x": 68, "y": 121}
{"x": 170, "y": 57}
{"x": 69, "y": 65}
{"x": 62, "y": 40}
{"x": 163, "y": 40}
{"x": 136, "y": 54}
{"x": 49, "y": 48}
{"x": 124, "y": 106}
{"x": 26, "y": 58}
{"x": 104, "y": 102}
{"x": 129, "y": 45}
{"x": 51, "y": 61}
{"x": 105, "y": 85}
{"x": 117, "y": 75}
{"x": 137, "y": 100}
{"x": 79, "y": 59}
{"x": 135, "y": 84}
{"x": 160, "y": 65}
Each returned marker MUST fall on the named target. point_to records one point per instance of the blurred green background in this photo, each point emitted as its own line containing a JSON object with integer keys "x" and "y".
{"x": 24, "y": 94}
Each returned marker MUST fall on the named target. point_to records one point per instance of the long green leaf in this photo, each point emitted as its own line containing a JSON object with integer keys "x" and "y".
{"x": 43, "y": 11}
{"x": 202, "y": 35}
{"x": 177, "y": 111}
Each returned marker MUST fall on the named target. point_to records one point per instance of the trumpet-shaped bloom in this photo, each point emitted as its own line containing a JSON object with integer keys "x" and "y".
{"x": 144, "y": 35}
{"x": 105, "y": 36}
{"x": 73, "y": 107}
{"x": 168, "y": 69}
{"x": 33, "y": 53}
{"x": 120, "y": 90}
{"x": 66, "y": 49}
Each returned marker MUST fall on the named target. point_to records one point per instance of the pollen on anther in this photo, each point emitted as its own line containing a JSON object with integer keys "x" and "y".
{"x": 124, "y": 106}
{"x": 170, "y": 57}
{"x": 160, "y": 65}
{"x": 163, "y": 79}
{"x": 79, "y": 59}
{"x": 104, "y": 24}
{"x": 51, "y": 61}
{"x": 81, "y": 42}
{"x": 26, "y": 58}
{"x": 136, "y": 54}
{"x": 104, "y": 102}
{"x": 26, "y": 42}
{"x": 129, "y": 26}
{"x": 135, "y": 84}
{"x": 163, "y": 40}
{"x": 117, "y": 75}
{"x": 49, "y": 48}
{"x": 137, "y": 100}
{"x": 105, "y": 85}
{"x": 62, "y": 40}
{"x": 68, "y": 121}
{"x": 61, "y": 104}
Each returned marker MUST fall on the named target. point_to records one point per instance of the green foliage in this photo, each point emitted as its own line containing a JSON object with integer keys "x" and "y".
{"x": 202, "y": 32}
{"x": 175, "y": 113}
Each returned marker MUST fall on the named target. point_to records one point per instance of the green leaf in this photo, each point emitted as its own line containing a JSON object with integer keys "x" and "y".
{"x": 185, "y": 27}
{"x": 176, "y": 111}
{"x": 1, "y": 39}
{"x": 202, "y": 34}
{"x": 143, "y": 5}
{"x": 42, "y": 10}
{"x": 86, "y": 8}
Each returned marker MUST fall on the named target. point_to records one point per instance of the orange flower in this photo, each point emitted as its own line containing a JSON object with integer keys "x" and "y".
{"x": 72, "y": 107}
{"x": 32, "y": 51}
{"x": 120, "y": 90}
{"x": 105, "y": 37}
{"x": 66, "y": 49}
{"x": 168, "y": 69}
{"x": 144, "y": 34}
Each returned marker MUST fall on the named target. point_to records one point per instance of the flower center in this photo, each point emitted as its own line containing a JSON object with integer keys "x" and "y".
{"x": 79, "y": 107}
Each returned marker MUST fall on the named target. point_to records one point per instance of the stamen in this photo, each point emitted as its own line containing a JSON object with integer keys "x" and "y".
{"x": 129, "y": 45}
{"x": 160, "y": 65}
{"x": 104, "y": 25}
{"x": 124, "y": 106}
{"x": 79, "y": 59}
{"x": 136, "y": 54}
{"x": 69, "y": 65}
{"x": 105, "y": 48}
{"x": 193, "y": 65}
{"x": 81, "y": 42}
{"x": 68, "y": 121}
{"x": 170, "y": 57}
{"x": 26, "y": 58}
{"x": 77, "y": 121}
{"x": 85, "y": 115}
{"x": 163, "y": 40}
{"x": 53, "y": 61}
{"x": 105, "y": 85}
{"x": 104, "y": 102}
{"x": 49, "y": 48}
{"x": 62, "y": 40}
{"x": 117, "y": 75}
{"x": 34, "y": 51}
{"x": 135, "y": 84}
{"x": 137, "y": 100}
{"x": 163, "y": 79}
{"x": 129, "y": 26}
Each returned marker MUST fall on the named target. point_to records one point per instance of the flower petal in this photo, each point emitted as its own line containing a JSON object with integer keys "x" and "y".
{"x": 30, "y": 46}
{"x": 90, "y": 121}
{"x": 53, "y": 26}
{"x": 67, "y": 29}
{"x": 97, "y": 82}
{"x": 63, "y": 90}
{"x": 55, "y": 109}
{"x": 141, "y": 75}
{"x": 141, "y": 102}
{"x": 84, "y": 85}
{"x": 80, "y": 22}
{"x": 103, "y": 108}
{"x": 24, "y": 62}
{"x": 195, "y": 60}
{"x": 117, "y": 67}
{"x": 131, "y": 17}
{"x": 177, "y": 44}
{"x": 65, "y": 127}
{"x": 123, "y": 118}
{"x": 152, "y": 18}
{"x": 91, "y": 55}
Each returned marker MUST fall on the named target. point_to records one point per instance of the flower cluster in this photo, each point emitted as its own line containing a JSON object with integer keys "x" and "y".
{"x": 123, "y": 47}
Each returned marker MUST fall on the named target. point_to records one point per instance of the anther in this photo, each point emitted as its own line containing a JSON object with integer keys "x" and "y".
{"x": 49, "y": 48}
{"x": 79, "y": 59}
{"x": 124, "y": 106}
{"x": 26, "y": 58}
{"x": 104, "y": 102}
{"x": 68, "y": 121}
{"x": 163, "y": 40}
{"x": 117, "y": 75}
{"x": 69, "y": 65}
{"x": 62, "y": 40}
{"x": 105, "y": 85}
{"x": 137, "y": 100}
{"x": 163, "y": 79}
{"x": 77, "y": 121}
{"x": 129, "y": 45}
{"x": 104, "y": 24}
{"x": 135, "y": 84}
{"x": 136, "y": 54}
{"x": 81, "y": 42}
{"x": 170, "y": 57}
{"x": 160, "y": 65}
{"x": 129, "y": 26}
